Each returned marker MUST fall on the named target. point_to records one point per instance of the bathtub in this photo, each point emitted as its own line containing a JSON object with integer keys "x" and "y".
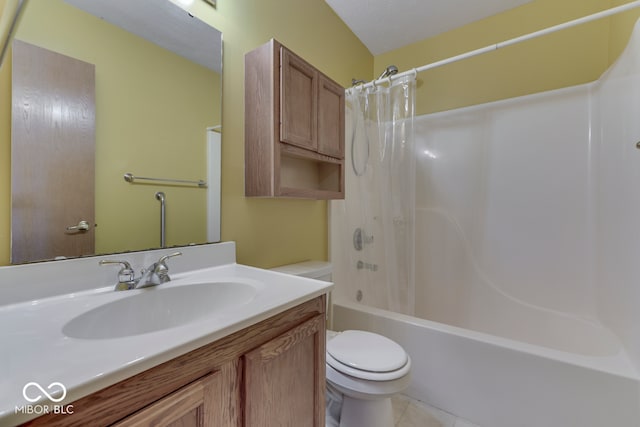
{"x": 499, "y": 382}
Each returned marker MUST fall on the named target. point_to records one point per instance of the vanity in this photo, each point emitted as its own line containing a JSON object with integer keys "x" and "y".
{"x": 221, "y": 344}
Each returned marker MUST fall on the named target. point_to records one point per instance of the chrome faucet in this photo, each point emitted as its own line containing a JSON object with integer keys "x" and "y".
{"x": 156, "y": 274}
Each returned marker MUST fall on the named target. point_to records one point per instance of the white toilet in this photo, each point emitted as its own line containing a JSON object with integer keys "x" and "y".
{"x": 364, "y": 370}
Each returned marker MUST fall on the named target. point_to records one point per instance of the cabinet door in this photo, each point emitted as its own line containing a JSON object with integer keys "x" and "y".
{"x": 330, "y": 118}
{"x": 285, "y": 378}
{"x": 298, "y": 101}
{"x": 203, "y": 403}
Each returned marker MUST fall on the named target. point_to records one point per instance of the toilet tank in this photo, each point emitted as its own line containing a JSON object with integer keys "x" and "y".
{"x": 319, "y": 270}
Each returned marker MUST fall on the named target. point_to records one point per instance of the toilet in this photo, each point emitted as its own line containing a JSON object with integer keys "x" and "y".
{"x": 363, "y": 369}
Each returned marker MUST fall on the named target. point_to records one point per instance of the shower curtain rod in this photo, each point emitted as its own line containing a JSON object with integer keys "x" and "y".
{"x": 496, "y": 46}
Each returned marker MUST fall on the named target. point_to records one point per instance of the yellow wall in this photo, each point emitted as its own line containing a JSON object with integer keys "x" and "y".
{"x": 621, "y": 27}
{"x": 272, "y": 232}
{"x": 7, "y": 10}
{"x": 569, "y": 57}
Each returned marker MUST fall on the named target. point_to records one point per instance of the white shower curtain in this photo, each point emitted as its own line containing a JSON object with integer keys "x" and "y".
{"x": 373, "y": 229}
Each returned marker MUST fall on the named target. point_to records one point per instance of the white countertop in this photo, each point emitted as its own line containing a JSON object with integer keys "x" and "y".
{"x": 34, "y": 348}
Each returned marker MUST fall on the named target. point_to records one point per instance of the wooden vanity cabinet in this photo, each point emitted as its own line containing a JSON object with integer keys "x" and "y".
{"x": 280, "y": 376}
{"x": 294, "y": 127}
{"x": 194, "y": 405}
{"x": 269, "y": 374}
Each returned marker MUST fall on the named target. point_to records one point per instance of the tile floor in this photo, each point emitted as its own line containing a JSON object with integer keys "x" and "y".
{"x": 412, "y": 413}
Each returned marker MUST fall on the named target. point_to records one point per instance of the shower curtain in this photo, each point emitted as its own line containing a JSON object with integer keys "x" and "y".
{"x": 373, "y": 229}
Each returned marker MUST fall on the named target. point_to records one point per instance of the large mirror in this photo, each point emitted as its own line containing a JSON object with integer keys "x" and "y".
{"x": 157, "y": 74}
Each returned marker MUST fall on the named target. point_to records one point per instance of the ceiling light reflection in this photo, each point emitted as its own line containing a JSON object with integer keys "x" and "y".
{"x": 430, "y": 154}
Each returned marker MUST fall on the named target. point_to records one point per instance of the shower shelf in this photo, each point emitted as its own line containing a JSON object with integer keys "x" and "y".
{"x": 294, "y": 127}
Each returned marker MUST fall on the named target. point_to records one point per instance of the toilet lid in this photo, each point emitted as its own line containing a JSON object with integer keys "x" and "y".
{"x": 367, "y": 351}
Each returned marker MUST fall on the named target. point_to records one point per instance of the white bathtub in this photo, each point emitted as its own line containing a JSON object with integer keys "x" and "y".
{"x": 498, "y": 382}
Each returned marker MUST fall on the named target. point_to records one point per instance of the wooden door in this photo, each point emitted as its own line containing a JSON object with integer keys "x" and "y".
{"x": 191, "y": 406}
{"x": 52, "y": 154}
{"x": 298, "y": 101}
{"x": 330, "y": 118}
{"x": 285, "y": 379}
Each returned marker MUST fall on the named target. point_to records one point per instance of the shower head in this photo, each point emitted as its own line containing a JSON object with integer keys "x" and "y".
{"x": 389, "y": 71}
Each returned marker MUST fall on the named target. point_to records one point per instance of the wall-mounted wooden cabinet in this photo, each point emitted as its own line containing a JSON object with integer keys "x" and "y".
{"x": 294, "y": 127}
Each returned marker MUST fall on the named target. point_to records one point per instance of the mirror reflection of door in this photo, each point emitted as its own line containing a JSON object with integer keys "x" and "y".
{"x": 52, "y": 155}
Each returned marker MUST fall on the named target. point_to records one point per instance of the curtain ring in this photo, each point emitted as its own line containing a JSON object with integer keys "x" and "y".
{"x": 415, "y": 74}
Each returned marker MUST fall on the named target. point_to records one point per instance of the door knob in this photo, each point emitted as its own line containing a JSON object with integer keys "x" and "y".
{"x": 82, "y": 226}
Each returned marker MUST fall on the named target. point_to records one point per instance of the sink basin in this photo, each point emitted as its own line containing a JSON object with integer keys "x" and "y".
{"x": 158, "y": 308}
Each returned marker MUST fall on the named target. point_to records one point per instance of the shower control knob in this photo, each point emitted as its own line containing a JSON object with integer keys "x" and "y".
{"x": 357, "y": 239}
{"x": 360, "y": 239}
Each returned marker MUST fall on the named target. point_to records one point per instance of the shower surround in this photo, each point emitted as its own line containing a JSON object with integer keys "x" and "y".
{"x": 526, "y": 307}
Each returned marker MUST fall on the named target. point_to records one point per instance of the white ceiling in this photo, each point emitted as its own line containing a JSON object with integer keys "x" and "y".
{"x": 163, "y": 23}
{"x": 384, "y": 25}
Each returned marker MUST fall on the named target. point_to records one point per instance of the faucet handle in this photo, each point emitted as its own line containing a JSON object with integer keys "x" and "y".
{"x": 164, "y": 258}
{"x": 161, "y": 268}
{"x": 126, "y": 275}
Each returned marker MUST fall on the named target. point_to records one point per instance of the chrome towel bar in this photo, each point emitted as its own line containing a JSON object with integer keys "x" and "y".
{"x": 131, "y": 178}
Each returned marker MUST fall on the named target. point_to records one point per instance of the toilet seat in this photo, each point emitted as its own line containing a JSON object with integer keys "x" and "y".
{"x": 367, "y": 356}
{"x": 367, "y": 375}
